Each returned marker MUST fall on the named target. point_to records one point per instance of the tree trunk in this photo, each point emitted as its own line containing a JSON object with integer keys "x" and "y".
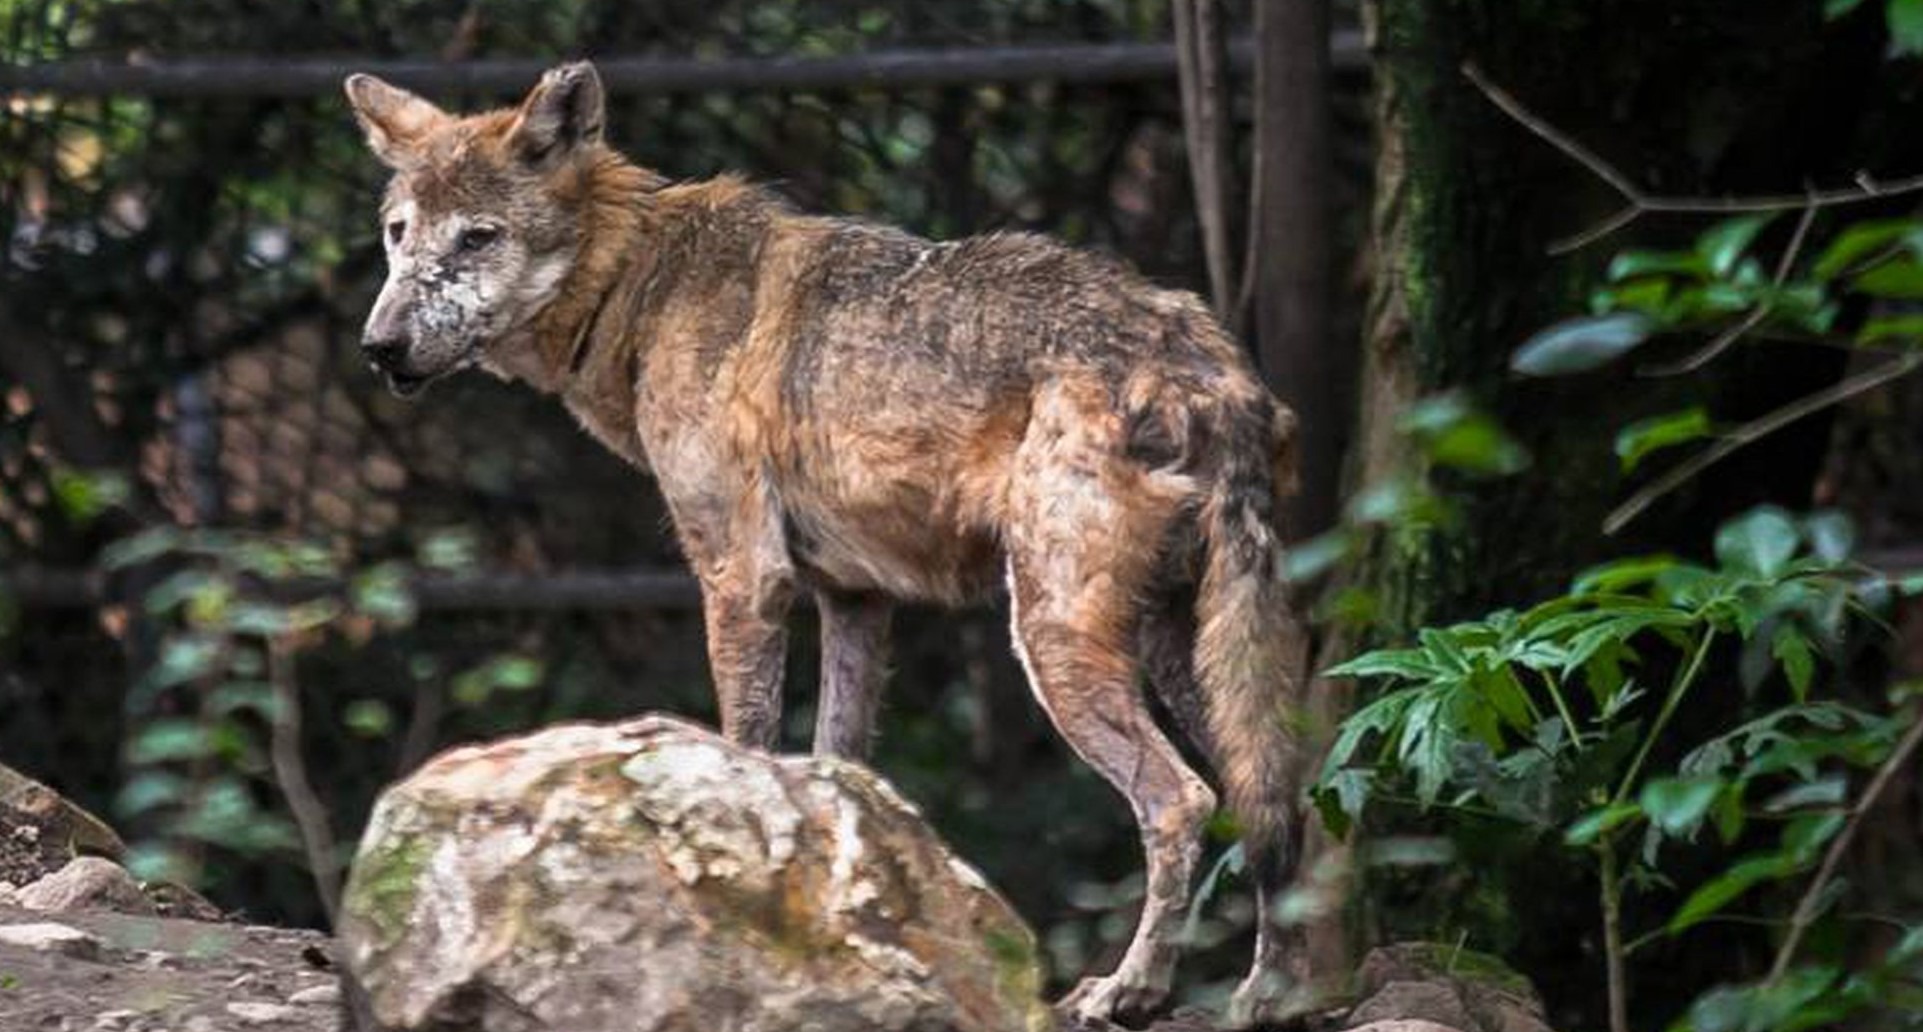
{"x": 1291, "y": 250}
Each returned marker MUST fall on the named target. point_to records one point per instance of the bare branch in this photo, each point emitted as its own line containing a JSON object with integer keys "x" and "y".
{"x": 1755, "y": 430}
{"x": 1201, "y": 64}
{"x": 1556, "y": 137}
{"x": 1805, "y": 913}
{"x": 1641, "y": 203}
{"x": 1756, "y": 315}
{"x": 290, "y": 771}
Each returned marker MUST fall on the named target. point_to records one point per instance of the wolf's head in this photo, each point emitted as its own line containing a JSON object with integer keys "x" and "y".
{"x": 482, "y": 220}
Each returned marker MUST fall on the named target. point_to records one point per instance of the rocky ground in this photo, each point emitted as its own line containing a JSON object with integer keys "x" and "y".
{"x": 85, "y": 948}
{"x": 80, "y": 971}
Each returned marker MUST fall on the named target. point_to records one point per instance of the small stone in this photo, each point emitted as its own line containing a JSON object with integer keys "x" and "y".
{"x": 28, "y": 833}
{"x": 47, "y": 937}
{"x": 325, "y": 994}
{"x": 1433, "y": 1001}
{"x": 198, "y": 1023}
{"x": 87, "y": 882}
{"x": 114, "y": 1020}
{"x": 1403, "y": 1025}
{"x": 158, "y": 960}
{"x": 262, "y": 1013}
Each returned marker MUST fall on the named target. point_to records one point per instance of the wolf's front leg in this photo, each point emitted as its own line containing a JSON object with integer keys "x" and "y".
{"x": 747, "y": 650}
{"x": 854, "y": 661}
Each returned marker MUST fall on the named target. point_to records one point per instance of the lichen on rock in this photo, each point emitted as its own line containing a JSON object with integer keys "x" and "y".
{"x": 648, "y": 875}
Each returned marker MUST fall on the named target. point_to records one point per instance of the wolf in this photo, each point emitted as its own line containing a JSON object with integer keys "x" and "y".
{"x": 841, "y": 408}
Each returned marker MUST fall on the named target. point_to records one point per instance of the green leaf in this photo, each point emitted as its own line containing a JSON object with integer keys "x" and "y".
{"x": 384, "y": 594}
{"x": 1901, "y": 328}
{"x": 1792, "y": 650}
{"x": 1834, "y": 9}
{"x": 1906, "y": 26}
{"x": 1477, "y": 445}
{"x": 1406, "y": 664}
{"x": 1729, "y": 814}
{"x": 1591, "y": 826}
{"x": 1722, "y": 244}
{"x": 1581, "y": 344}
{"x": 1623, "y": 574}
{"x": 1316, "y": 556}
{"x": 1678, "y": 805}
{"x": 162, "y": 741}
{"x": 1639, "y": 439}
{"x": 143, "y": 547}
{"x": 368, "y": 718}
{"x": 1831, "y": 536}
{"x": 1342, "y": 796}
{"x": 1901, "y": 279}
{"x": 1859, "y": 242}
{"x": 1635, "y": 263}
{"x": 1807, "y": 833}
{"x": 148, "y": 790}
{"x": 1830, "y": 790}
{"x": 1712, "y": 896}
{"x": 1760, "y": 541}
{"x": 85, "y": 494}
{"x": 451, "y": 550}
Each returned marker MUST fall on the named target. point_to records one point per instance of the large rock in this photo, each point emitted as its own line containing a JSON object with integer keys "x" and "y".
{"x": 650, "y": 876}
{"x": 58, "y": 818}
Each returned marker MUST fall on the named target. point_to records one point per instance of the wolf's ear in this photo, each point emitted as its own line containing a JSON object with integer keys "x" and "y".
{"x": 564, "y": 111}
{"x": 393, "y": 119}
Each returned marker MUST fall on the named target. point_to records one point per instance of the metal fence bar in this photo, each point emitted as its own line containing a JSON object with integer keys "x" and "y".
{"x": 890, "y": 69}
{"x": 42, "y": 589}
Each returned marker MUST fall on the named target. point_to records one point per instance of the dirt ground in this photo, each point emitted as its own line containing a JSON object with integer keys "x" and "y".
{"x": 132, "y": 973}
{"x": 152, "y": 974}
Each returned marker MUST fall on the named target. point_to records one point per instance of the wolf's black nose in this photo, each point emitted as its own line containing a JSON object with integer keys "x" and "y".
{"x": 385, "y": 352}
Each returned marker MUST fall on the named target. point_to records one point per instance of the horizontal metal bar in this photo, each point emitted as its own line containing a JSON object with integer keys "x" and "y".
{"x": 651, "y": 589}
{"x": 882, "y": 70}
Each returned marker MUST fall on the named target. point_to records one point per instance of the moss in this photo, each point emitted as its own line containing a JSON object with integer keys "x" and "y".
{"x": 384, "y": 884}
{"x": 1468, "y": 965}
{"x": 1018, "y": 974}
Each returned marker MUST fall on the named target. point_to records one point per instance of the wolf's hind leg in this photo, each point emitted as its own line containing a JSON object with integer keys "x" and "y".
{"x": 1080, "y": 668}
{"x": 1167, "y": 639}
{"x": 1084, "y": 537}
{"x": 854, "y": 661}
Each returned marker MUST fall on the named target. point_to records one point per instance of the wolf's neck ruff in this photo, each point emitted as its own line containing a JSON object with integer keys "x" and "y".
{"x": 584, "y": 337}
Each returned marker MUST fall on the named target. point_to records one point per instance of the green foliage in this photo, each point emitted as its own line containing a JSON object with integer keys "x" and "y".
{"x": 1445, "y": 433}
{"x": 1550, "y": 719}
{"x": 1642, "y": 438}
{"x": 238, "y": 611}
{"x": 1815, "y": 996}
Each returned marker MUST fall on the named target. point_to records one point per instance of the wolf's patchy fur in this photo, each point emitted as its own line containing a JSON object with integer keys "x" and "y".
{"x": 843, "y": 408}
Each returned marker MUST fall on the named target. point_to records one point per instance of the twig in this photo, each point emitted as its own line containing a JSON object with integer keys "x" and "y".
{"x": 1756, "y": 315}
{"x": 290, "y": 771}
{"x": 1805, "y": 913}
{"x": 1640, "y": 203}
{"x": 1754, "y": 430}
{"x": 1613, "y": 952}
{"x": 1201, "y": 67}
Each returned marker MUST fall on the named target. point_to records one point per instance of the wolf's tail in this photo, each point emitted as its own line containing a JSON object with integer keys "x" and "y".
{"x": 1248, "y": 644}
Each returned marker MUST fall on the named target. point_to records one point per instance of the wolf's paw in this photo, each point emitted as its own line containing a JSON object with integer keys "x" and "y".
{"x": 1100, "y": 1002}
{"x": 1266, "y": 999}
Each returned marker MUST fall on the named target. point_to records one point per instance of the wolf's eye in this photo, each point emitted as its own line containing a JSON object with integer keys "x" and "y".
{"x": 477, "y": 237}
{"x": 395, "y": 230}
